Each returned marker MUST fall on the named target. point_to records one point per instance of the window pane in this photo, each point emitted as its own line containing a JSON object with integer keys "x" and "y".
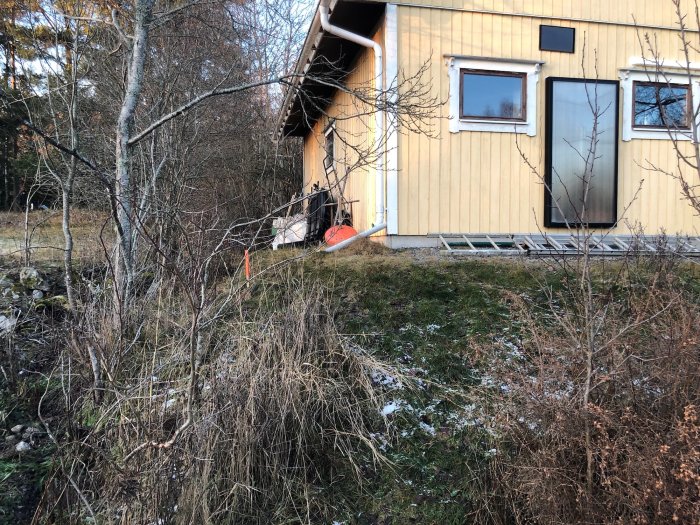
{"x": 330, "y": 150}
{"x": 582, "y": 184}
{"x": 492, "y": 96}
{"x": 660, "y": 105}
{"x": 553, "y": 38}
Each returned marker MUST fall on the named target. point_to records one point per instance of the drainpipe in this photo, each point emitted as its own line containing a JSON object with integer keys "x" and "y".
{"x": 379, "y": 221}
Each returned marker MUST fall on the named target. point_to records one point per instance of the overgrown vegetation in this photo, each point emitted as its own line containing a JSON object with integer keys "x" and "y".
{"x": 427, "y": 391}
{"x": 639, "y": 462}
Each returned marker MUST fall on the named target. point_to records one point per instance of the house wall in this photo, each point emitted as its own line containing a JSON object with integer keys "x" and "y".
{"x": 477, "y": 181}
{"x": 354, "y": 125}
{"x": 641, "y": 12}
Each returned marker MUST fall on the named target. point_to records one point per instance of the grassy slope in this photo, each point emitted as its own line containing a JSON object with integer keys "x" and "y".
{"x": 428, "y": 316}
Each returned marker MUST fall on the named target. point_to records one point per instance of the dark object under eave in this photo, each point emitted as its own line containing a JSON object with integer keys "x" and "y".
{"x": 320, "y": 215}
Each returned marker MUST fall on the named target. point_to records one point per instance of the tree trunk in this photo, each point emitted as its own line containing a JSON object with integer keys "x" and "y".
{"x": 124, "y": 191}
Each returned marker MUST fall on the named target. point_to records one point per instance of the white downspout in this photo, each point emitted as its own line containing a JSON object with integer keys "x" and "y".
{"x": 379, "y": 220}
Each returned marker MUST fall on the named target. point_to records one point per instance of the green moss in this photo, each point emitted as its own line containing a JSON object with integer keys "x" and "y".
{"x": 54, "y": 302}
{"x": 427, "y": 318}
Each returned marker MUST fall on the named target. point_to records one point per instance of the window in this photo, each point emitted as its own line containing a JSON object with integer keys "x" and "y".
{"x": 493, "y": 95}
{"x": 656, "y": 105}
{"x": 580, "y": 189}
{"x": 329, "y": 159}
{"x": 554, "y": 38}
{"x": 661, "y": 105}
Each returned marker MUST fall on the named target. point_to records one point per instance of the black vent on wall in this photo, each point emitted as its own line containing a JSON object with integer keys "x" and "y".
{"x": 555, "y": 38}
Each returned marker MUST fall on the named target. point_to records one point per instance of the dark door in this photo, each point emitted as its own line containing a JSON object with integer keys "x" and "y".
{"x": 581, "y": 152}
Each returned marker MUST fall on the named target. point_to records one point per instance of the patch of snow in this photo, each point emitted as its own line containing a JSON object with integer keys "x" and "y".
{"x": 487, "y": 380}
{"x": 427, "y": 428}
{"x": 514, "y": 350}
{"x": 381, "y": 439}
{"x": 416, "y": 370}
{"x": 393, "y": 406}
{"x": 23, "y": 446}
{"x": 7, "y": 324}
{"x": 382, "y": 378}
{"x": 432, "y": 328}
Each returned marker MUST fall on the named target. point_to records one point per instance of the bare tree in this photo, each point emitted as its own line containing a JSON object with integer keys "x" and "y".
{"x": 586, "y": 326}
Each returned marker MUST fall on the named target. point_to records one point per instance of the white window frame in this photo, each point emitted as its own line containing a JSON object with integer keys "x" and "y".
{"x": 628, "y": 77}
{"x": 531, "y": 69}
{"x": 330, "y": 130}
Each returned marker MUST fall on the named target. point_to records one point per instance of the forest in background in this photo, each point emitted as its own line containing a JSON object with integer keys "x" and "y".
{"x": 66, "y": 72}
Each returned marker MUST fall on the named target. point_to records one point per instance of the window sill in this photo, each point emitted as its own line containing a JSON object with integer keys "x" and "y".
{"x": 658, "y": 134}
{"x": 492, "y": 126}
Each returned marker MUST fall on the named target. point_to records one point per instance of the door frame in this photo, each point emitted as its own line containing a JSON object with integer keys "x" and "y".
{"x": 548, "y": 151}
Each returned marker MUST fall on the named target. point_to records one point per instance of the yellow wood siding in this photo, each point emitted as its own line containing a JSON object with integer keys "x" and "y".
{"x": 354, "y": 125}
{"x": 642, "y": 12}
{"x": 477, "y": 181}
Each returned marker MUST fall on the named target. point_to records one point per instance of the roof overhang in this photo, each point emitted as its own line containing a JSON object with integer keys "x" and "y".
{"x": 324, "y": 62}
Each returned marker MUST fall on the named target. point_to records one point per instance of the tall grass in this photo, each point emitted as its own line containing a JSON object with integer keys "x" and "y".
{"x": 284, "y": 405}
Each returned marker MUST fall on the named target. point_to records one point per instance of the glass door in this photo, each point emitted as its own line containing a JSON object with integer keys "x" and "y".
{"x": 581, "y": 152}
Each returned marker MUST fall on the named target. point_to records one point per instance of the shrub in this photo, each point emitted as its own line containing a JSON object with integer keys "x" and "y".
{"x": 630, "y": 346}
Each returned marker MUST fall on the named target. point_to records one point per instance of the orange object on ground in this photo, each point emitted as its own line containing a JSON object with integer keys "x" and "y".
{"x": 247, "y": 265}
{"x": 338, "y": 234}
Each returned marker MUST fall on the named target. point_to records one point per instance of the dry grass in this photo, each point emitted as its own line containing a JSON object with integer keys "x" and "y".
{"x": 365, "y": 247}
{"x": 46, "y": 235}
{"x": 642, "y": 409}
{"x": 290, "y": 402}
{"x": 283, "y": 405}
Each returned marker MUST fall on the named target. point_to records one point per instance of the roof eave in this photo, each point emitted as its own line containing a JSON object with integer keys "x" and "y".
{"x": 306, "y": 57}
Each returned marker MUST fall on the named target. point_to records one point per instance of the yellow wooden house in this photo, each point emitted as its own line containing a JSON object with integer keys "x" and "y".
{"x": 545, "y": 114}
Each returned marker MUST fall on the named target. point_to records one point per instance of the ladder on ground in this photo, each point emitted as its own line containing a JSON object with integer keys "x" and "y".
{"x": 565, "y": 244}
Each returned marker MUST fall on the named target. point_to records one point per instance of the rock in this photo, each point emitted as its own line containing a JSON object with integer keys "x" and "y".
{"x": 57, "y": 302}
{"x": 5, "y": 282}
{"x": 31, "y": 278}
{"x": 10, "y": 439}
{"x": 37, "y": 294}
{"x": 30, "y": 432}
{"x": 22, "y": 447}
{"x": 17, "y": 429}
{"x": 7, "y": 324}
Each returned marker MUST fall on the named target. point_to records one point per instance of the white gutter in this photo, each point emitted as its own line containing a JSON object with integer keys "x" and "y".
{"x": 379, "y": 221}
